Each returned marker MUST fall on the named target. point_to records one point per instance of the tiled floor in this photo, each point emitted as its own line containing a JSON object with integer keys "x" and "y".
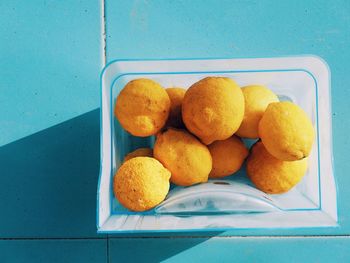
{"x": 82, "y": 250}
{"x": 233, "y": 249}
{"x": 51, "y": 53}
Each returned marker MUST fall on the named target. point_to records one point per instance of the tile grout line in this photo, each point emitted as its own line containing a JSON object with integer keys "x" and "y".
{"x": 104, "y": 31}
{"x": 104, "y": 61}
{"x": 108, "y": 237}
{"x": 237, "y": 237}
{"x": 50, "y": 238}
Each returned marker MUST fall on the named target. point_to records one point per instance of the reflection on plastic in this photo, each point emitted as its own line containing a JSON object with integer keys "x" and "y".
{"x": 217, "y": 197}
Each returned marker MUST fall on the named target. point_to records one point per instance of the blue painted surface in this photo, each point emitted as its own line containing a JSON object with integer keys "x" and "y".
{"x": 241, "y": 249}
{"x": 51, "y": 56}
{"x": 50, "y": 178}
{"x": 53, "y": 251}
{"x": 50, "y": 59}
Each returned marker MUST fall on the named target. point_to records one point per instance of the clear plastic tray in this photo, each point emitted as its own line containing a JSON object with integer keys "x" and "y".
{"x": 233, "y": 202}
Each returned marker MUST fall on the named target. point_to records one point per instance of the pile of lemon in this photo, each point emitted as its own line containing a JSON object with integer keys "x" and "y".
{"x": 198, "y": 137}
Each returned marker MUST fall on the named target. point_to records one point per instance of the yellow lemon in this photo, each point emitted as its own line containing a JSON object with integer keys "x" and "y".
{"x": 141, "y": 183}
{"x": 213, "y": 108}
{"x": 146, "y": 152}
{"x": 176, "y": 96}
{"x": 228, "y": 156}
{"x": 187, "y": 159}
{"x": 142, "y": 107}
{"x": 272, "y": 175}
{"x": 256, "y": 100}
{"x": 286, "y": 131}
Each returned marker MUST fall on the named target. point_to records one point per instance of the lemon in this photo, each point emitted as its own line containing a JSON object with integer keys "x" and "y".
{"x": 188, "y": 160}
{"x": 176, "y": 96}
{"x": 272, "y": 175}
{"x": 213, "y": 108}
{"x": 141, "y": 183}
{"x": 256, "y": 99}
{"x": 142, "y": 107}
{"x": 228, "y": 156}
{"x": 286, "y": 131}
{"x": 146, "y": 152}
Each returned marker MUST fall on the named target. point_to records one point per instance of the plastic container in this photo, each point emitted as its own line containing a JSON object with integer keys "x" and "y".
{"x": 233, "y": 202}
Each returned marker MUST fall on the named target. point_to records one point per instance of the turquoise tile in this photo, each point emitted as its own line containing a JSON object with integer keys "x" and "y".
{"x": 49, "y": 181}
{"x": 53, "y": 251}
{"x": 177, "y": 29}
{"x": 239, "y": 249}
{"x": 50, "y": 59}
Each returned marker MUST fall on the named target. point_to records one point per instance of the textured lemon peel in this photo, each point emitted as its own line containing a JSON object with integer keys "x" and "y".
{"x": 256, "y": 100}
{"x": 228, "y": 156}
{"x": 272, "y": 175}
{"x": 188, "y": 160}
{"x": 213, "y": 108}
{"x": 141, "y": 183}
{"x": 286, "y": 131}
{"x": 142, "y": 107}
{"x": 176, "y": 96}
